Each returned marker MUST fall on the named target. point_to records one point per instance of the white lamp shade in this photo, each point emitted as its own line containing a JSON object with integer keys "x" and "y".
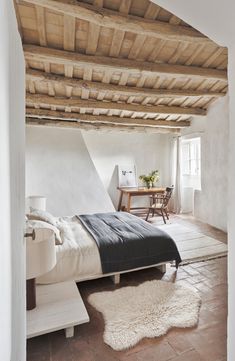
{"x": 37, "y": 202}
{"x": 40, "y": 253}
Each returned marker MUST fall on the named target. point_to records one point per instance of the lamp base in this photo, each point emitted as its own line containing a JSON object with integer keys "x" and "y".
{"x": 31, "y": 294}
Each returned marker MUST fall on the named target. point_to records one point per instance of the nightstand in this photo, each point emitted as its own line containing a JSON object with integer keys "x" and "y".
{"x": 59, "y": 306}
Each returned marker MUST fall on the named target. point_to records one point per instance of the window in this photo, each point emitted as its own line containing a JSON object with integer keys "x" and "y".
{"x": 191, "y": 162}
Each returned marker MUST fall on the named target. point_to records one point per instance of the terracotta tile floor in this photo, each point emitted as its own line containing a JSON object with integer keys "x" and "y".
{"x": 206, "y": 342}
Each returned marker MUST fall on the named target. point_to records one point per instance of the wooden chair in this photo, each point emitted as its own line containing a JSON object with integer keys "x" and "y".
{"x": 159, "y": 204}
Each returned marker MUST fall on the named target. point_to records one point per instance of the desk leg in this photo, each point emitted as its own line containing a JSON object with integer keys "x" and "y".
{"x": 120, "y": 201}
{"x": 129, "y": 203}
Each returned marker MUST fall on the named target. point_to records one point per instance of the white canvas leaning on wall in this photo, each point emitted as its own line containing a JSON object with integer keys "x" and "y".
{"x": 127, "y": 176}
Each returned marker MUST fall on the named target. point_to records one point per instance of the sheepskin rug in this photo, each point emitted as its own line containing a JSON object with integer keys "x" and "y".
{"x": 148, "y": 310}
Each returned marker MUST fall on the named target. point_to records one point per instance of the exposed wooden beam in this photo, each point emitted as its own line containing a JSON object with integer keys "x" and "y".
{"x": 15, "y": 2}
{"x": 71, "y": 116}
{"x": 77, "y": 103}
{"x": 93, "y": 38}
{"x": 40, "y": 16}
{"x": 69, "y": 33}
{"x": 213, "y": 57}
{"x": 125, "y": 6}
{"x": 152, "y": 11}
{"x": 38, "y": 75}
{"x": 97, "y": 126}
{"x": 43, "y": 54}
{"x": 116, "y": 20}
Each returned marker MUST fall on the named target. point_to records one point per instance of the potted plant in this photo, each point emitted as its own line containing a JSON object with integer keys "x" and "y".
{"x": 150, "y": 178}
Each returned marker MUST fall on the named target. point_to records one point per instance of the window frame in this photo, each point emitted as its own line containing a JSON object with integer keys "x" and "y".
{"x": 197, "y": 158}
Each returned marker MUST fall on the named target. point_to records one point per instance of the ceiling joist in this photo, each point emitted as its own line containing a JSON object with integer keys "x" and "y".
{"x": 89, "y": 118}
{"x": 42, "y": 54}
{"x": 119, "y": 21}
{"x": 98, "y": 126}
{"x": 41, "y": 100}
{"x": 40, "y": 76}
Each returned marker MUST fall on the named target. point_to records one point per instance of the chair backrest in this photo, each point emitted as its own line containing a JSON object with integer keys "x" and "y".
{"x": 167, "y": 195}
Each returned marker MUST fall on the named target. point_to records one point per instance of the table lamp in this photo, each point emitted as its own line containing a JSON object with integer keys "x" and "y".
{"x": 37, "y": 202}
{"x": 40, "y": 259}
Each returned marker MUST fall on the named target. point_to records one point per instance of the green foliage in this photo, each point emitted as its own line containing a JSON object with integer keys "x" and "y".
{"x": 150, "y": 178}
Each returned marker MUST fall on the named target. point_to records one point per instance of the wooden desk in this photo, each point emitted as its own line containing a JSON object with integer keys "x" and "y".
{"x": 133, "y": 192}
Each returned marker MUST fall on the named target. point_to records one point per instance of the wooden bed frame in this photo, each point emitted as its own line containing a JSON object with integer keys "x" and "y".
{"x": 117, "y": 275}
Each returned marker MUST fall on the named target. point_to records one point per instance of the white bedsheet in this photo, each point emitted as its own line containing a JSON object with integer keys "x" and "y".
{"x": 77, "y": 258}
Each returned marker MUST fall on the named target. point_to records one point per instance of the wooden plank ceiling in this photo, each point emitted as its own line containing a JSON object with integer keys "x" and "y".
{"x": 116, "y": 64}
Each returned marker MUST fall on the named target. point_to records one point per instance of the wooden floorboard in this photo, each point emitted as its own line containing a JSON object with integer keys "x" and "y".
{"x": 194, "y": 245}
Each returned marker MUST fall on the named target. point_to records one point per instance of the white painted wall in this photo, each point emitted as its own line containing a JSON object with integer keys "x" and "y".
{"x": 215, "y": 18}
{"x": 210, "y": 203}
{"x": 231, "y": 204}
{"x": 12, "y": 267}
{"x": 146, "y": 151}
{"x": 59, "y": 167}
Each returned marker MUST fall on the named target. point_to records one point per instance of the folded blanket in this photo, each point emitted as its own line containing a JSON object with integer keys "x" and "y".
{"x": 127, "y": 242}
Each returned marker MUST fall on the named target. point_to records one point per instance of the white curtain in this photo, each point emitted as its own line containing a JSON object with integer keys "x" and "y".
{"x": 176, "y": 174}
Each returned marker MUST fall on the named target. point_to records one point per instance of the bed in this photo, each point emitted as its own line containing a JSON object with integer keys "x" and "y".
{"x": 130, "y": 244}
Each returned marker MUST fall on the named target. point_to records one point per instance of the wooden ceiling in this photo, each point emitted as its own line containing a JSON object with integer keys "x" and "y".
{"x": 116, "y": 64}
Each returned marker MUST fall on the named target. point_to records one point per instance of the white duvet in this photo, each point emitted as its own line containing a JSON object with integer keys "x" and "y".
{"x": 77, "y": 258}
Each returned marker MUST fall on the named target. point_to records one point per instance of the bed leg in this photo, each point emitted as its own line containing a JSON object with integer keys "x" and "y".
{"x": 116, "y": 279}
{"x": 69, "y": 332}
{"x": 162, "y": 268}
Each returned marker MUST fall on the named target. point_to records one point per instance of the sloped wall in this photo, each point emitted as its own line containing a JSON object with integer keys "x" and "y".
{"x": 59, "y": 166}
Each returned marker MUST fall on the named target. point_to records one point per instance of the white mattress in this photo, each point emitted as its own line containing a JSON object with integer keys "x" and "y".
{"x": 77, "y": 258}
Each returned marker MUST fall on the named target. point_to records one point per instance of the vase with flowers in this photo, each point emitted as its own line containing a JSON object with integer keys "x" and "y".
{"x": 150, "y": 179}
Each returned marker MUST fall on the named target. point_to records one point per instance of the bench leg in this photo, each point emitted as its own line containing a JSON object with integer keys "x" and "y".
{"x": 162, "y": 268}
{"x": 69, "y": 332}
{"x": 116, "y": 279}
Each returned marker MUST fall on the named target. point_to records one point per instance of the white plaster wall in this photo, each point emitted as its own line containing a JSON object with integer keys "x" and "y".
{"x": 146, "y": 151}
{"x": 214, "y": 18}
{"x": 210, "y": 204}
{"x": 231, "y": 205}
{"x": 12, "y": 260}
{"x": 58, "y": 166}
{"x": 5, "y": 254}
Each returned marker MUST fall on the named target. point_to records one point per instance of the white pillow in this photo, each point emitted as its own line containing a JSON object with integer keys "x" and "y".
{"x": 41, "y": 224}
{"x": 38, "y": 214}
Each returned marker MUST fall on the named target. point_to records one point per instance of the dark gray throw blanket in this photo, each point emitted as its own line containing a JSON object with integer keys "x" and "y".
{"x": 128, "y": 242}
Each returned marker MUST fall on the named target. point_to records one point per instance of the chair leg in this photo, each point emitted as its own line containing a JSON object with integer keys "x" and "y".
{"x": 153, "y": 212}
{"x": 164, "y": 219}
{"x": 148, "y": 215}
{"x": 167, "y": 216}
